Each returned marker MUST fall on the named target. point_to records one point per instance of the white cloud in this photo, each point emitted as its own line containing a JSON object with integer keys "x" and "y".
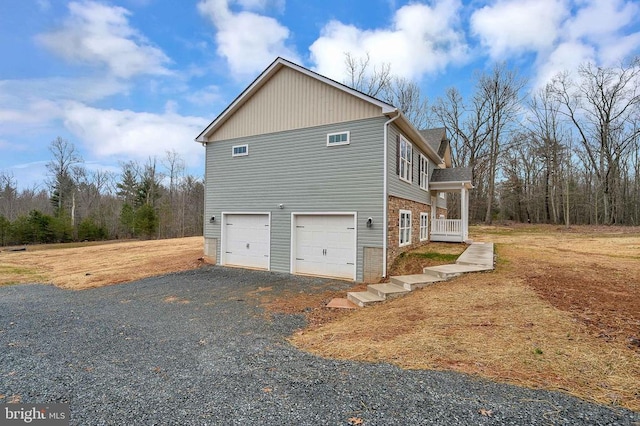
{"x": 597, "y": 18}
{"x": 594, "y": 33}
{"x": 561, "y": 33}
{"x": 514, "y": 26}
{"x": 565, "y": 57}
{"x": 261, "y": 5}
{"x": 136, "y": 135}
{"x": 209, "y": 96}
{"x": 98, "y": 34}
{"x": 620, "y": 49}
{"x": 248, "y": 41}
{"x": 422, "y": 39}
{"x": 32, "y": 106}
{"x": 600, "y": 23}
{"x": 85, "y": 89}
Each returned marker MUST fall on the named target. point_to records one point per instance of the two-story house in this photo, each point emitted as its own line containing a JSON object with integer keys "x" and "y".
{"x": 307, "y": 176}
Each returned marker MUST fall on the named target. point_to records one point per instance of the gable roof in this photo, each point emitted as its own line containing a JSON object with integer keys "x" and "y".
{"x": 264, "y": 77}
{"x": 385, "y": 108}
{"x": 437, "y": 138}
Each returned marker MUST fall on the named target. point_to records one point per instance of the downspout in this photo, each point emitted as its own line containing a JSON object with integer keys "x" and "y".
{"x": 385, "y": 194}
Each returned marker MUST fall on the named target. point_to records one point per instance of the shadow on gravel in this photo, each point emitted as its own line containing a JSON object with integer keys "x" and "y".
{"x": 197, "y": 348}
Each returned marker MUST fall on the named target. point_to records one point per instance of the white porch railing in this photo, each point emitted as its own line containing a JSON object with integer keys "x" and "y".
{"x": 449, "y": 230}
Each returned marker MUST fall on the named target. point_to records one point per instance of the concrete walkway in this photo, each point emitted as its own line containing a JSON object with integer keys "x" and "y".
{"x": 477, "y": 257}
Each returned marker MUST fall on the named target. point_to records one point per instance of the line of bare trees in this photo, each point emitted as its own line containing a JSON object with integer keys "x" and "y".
{"x": 567, "y": 153}
{"x": 156, "y": 199}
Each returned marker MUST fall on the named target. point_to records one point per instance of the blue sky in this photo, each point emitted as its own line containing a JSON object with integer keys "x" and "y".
{"x": 129, "y": 79}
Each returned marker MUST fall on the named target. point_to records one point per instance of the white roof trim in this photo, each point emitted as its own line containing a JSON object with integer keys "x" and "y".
{"x": 451, "y": 185}
{"x": 264, "y": 77}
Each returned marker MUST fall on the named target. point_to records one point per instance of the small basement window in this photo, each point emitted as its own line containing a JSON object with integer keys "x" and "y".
{"x": 341, "y": 138}
{"x": 424, "y": 226}
{"x": 404, "y": 228}
{"x": 240, "y": 150}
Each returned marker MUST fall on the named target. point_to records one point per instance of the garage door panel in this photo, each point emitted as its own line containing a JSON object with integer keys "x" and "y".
{"x": 247, "y": 240}
{"x": 324, "y": 245}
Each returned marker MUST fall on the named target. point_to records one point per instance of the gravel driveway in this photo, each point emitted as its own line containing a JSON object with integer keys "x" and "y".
{"x": 194, "y": 349}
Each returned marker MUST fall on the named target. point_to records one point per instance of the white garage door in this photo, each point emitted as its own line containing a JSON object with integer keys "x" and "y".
{"x": 324, "y": 245}
{"x": 246, "y": 240}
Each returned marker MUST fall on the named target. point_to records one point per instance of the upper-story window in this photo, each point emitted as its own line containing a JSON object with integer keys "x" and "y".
{"x": 405, "y": 160}
{"x": 341, "y": 138}
{"x": 240, "y": 150}
{"x": 423, "y": 176}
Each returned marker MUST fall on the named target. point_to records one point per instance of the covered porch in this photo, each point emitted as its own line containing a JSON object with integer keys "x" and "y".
{"x": 456, "y": 179}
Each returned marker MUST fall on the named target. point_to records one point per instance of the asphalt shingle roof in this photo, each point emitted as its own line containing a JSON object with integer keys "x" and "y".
{"x": 437, "y": 139}
{"x": 455, "y": 174}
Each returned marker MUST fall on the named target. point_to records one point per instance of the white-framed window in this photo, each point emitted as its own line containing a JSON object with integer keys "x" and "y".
{"x": 240, "y": 150}
{"x": 340, "y": 138}
{"x": 405, "y": 160}
{"x": 443, "y": 195}
{"x": 424, "y": 226}
{"x": 423, "y": 176}
{"x": 405, "y": 228}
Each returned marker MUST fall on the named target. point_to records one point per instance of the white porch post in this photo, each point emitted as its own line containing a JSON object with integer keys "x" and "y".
{"x": 464, "y": 212}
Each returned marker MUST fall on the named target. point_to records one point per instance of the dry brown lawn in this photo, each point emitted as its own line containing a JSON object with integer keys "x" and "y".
{"x": 561, "y": 312}
{"x": 81, "y": 266}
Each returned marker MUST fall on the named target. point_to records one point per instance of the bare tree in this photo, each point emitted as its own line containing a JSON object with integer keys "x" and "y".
{"x": 379, "y": 82}
{"x": 548, "y": 136}
{"x": 501, "y": 89}
{"x": 603, "y": 106}
{"x": 61, "y": 171}
{"x": 8, "y": 196}
{"x": 467, "y": 128}
{"x": 172, "y": 207}
{"x": 407, "y": 97}
{"x": 363, "y": 77}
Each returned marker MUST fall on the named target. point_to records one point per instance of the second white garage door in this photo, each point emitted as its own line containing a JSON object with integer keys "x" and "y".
{"x": 324, "y": 245}
{"x": 246, "y": 240}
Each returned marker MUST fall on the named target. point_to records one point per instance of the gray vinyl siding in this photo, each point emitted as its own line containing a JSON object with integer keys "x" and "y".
{"x": 398, "y": 187}
{"x": 297, "y": 169}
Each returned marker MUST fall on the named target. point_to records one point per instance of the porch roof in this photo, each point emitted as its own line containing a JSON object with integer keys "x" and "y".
{"x": 451, "y": 178}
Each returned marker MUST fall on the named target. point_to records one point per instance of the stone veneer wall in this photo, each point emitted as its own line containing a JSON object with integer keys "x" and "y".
{"x": 395, "y": 205}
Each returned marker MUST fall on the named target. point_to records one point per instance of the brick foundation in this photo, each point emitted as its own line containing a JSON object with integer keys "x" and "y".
{"x": 395, "y": 205}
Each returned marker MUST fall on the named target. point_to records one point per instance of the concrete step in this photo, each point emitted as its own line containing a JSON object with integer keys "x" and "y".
{"x": 444, "y": 272}
{"x": 362, "y": 298}
{"x": 412, "y": 282}
{"x": 478, "y": 254}
{"x": 447, "y": 272}
{"x": 387, "y": 290}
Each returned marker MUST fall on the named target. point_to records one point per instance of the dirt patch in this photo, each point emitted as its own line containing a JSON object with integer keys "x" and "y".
{"x": 95, "y": 265}
{"x": 433, "y": 254}
{"x": 312, "y": 304}
{"x": 594, "y": 275}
